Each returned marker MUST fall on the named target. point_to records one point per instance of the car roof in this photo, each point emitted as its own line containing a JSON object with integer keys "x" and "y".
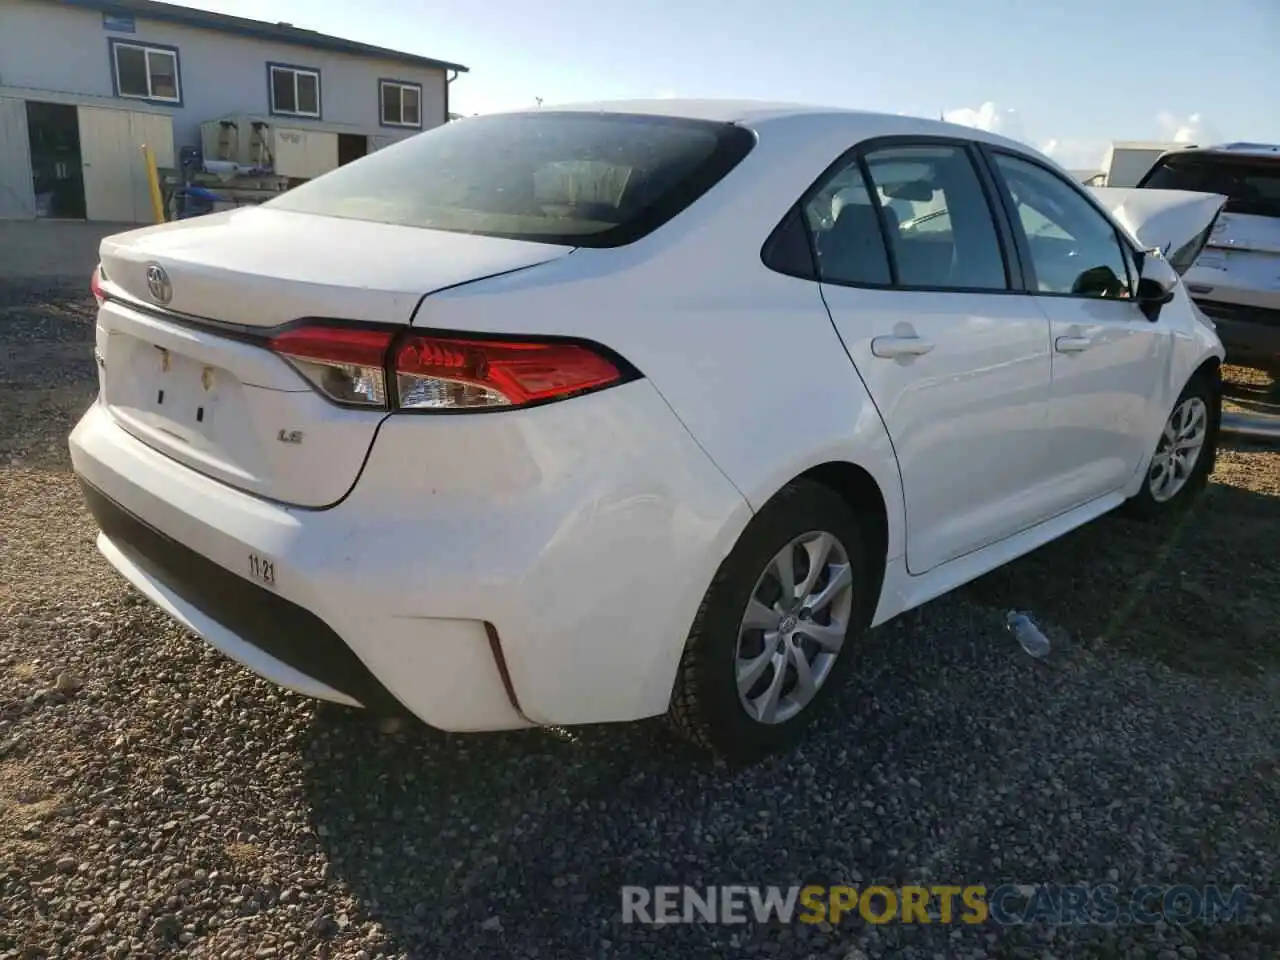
{"x": 1236, "y": 149}
{"x": 757, "y": 114}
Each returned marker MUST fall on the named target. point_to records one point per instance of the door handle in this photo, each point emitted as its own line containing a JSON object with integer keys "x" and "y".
{"x": 1073, "y": 344}
{"x": 894, "y": 347}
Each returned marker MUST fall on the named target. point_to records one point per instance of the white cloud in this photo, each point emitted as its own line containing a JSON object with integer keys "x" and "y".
{"x": 1009, "y": 123}
{"x": 1192, "y": 128}
{"x": 1077, "y": 154}
{"x": 990, "y": 117}
{"x": 1081, "y": 153}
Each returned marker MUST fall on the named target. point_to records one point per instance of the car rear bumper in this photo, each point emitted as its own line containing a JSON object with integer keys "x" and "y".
{"x": 489, "y": 572}
{"x": 247, "y": 622}
{"x": 1250, "y": 334}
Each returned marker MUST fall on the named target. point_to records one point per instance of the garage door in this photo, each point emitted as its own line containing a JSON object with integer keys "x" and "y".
{"x": 17, "y": 195}
{"x": 115, "y": 173}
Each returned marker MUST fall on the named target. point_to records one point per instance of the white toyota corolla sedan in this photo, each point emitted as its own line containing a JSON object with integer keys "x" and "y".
{"x": 618, "y": 410}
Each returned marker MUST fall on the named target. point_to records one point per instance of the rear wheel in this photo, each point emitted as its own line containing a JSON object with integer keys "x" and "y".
{"x": 772, "y": 639}
{"x": 1184, "y": 454}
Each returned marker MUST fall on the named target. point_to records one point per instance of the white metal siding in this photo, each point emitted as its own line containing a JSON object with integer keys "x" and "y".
{"x": 17, "y": 193}
{"x": 222, "y": 74}
{"x": 115, "y": 172}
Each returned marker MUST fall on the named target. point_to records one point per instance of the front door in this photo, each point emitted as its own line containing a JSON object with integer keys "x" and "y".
{"x": 956, "y": 361}
{"x": 1104, "y": 347}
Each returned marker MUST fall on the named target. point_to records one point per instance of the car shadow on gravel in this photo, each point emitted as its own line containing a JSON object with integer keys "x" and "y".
{"x": 511, "y": 844}
{"x": 1166, "y": 590}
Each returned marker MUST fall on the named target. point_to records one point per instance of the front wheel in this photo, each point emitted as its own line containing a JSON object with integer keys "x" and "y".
{"x": 1184, "y": 455}
{"x": 772, "y": 638}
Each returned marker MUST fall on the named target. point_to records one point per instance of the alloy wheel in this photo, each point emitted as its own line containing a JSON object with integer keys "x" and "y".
{"x": 1179, "y": 449}
{"x": 794, "y": 627}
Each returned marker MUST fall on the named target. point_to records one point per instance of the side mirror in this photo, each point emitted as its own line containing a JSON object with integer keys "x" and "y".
{"x": 1157, "y": 282}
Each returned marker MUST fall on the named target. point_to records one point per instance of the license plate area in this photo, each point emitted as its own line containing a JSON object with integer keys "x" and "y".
{"x": 163, "y": 388}
{"x": 185, "y": 394}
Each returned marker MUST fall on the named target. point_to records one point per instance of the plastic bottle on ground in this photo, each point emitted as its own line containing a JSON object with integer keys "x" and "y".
{"x": 1028, "y": 635}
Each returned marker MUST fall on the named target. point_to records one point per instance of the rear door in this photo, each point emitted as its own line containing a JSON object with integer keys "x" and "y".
{"x": 1106, "y": 353}
{"x": 913, "y": 270}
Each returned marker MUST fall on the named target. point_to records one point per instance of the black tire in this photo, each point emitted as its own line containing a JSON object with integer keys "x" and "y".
{"x": 705, "y": 709}
{"x": 1143, "y": 505}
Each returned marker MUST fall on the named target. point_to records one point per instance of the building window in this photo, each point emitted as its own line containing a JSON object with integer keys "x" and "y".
{"x": 295, "y": 91}
{"x": 146, "y": 72}
{"x": 401, "y": 104}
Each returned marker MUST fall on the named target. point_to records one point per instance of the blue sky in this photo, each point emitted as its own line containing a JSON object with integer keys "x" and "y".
{"x": 1068, "y": 76}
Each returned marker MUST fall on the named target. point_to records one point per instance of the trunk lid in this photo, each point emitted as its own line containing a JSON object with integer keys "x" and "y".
{"x": 184, "y": 369}
{"x": 260, "y": 267}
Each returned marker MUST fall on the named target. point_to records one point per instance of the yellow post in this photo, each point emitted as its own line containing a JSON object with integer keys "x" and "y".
{"x": 153, "y": 181}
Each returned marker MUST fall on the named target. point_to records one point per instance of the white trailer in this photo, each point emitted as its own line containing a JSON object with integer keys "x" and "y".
{"x": 1128, "y": 160}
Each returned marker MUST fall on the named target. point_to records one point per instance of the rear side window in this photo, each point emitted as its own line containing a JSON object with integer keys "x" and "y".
{"x": 940, "y": 227}
{"x": 1250, "y": 184}
{"x": 918, "y": 218}
{"x": 847, "y": 235}
{"x": 584, "y": 179}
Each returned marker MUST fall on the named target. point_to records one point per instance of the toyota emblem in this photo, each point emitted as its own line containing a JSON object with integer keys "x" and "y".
{"x": 158, "y": 283}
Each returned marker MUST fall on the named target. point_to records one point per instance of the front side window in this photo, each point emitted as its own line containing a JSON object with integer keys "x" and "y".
{"x": 1074, "y": 249}
{"x": 295, "y": 91}
{"x": 584, "y": 179}
{"x": 145, "y": 72}
{"x": 401, "y": 104}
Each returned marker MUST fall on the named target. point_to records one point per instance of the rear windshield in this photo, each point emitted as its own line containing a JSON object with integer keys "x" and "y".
{"x": 1250, "y": 184}
{"x": 584, "y": 179}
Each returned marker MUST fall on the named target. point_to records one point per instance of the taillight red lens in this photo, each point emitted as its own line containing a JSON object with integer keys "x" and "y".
{"x": 95, "y": 284}
{"x": 349, "y": 365}
{"x": 443, "y": 373}
{"x": 346, "y": 364}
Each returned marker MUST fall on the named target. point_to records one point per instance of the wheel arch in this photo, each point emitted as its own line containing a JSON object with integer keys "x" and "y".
{"x": 1210, "y": 370}
{"x": 858, "y": 488}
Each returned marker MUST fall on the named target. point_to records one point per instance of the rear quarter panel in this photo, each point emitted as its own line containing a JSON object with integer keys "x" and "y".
{"x": 747, "y": 358}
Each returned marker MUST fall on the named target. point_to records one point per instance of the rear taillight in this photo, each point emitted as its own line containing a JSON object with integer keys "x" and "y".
{"x": 351, "y": 366}
{"x": 443, "y": 373}
{"x": 346, "y": 364}
{"x": 95, "y": 284}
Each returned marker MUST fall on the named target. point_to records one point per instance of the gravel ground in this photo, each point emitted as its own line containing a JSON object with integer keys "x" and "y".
{"x": 158, "y": 800}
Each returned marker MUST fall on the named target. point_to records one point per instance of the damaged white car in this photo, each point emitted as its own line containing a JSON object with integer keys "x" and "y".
{"x": 598, "y": 413}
